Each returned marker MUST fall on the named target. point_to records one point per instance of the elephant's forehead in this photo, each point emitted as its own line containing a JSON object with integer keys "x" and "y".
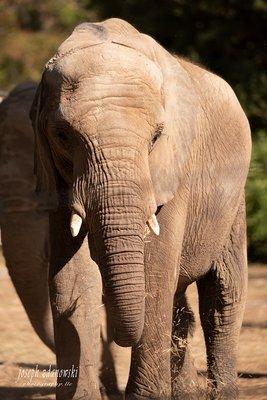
{"x": 89, "y": 34}
{"x": 110, "y": 61}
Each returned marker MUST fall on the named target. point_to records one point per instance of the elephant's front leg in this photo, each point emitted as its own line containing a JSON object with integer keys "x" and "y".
{"x": 75, "y": 290}
{"x": 185, "y": 382}
{"x": 150, "y": 374}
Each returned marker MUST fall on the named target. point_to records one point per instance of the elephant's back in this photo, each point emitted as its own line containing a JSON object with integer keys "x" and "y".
{"x": 17, "y": 150}
{"x": 14, "y": 111}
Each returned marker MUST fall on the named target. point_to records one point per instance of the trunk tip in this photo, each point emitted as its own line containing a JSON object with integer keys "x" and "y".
{"x": 127, "y": 340}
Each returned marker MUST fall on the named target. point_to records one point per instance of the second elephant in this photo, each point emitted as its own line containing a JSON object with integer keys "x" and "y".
{"x": 23, "y": 221}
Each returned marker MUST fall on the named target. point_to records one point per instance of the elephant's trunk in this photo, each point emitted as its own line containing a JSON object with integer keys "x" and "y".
{"x": 119, "y": 223}
{"x": 123, "y": 276}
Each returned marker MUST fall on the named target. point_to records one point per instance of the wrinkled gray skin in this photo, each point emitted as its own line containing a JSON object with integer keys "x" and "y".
{"x": 125, "y": 130}
{"x": 24, "y": 224}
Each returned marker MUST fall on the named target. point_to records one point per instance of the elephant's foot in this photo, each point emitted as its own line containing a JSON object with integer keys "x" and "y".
{"x": 224, "y": 392}
{"x": 148, "y": 393}
{"x": 81, "y": 392}
{"x": 143, "y": 387}
{"x": 187, "y": 394}
{"x": 136, "y": 396}
{"x": 187, "y": 386}
{"x": 110, "y": 395}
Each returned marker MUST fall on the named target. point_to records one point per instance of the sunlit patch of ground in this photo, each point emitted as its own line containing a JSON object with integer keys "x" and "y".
{"x": 26, "y": 365}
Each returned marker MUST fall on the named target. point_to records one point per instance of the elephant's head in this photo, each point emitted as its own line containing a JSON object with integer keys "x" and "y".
{"x": 106, "y": 118}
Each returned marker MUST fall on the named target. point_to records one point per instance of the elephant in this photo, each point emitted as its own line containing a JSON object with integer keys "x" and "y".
{"x": 25, "y": 228}
{"x": 142, "y": 156}
{"x": 24, "y": 223}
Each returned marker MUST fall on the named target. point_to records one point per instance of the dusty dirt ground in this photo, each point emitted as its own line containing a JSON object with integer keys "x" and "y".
{"x": 25, "y": 363}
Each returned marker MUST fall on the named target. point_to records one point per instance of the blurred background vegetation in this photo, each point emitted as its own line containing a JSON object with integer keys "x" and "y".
{"x": 229, "y": 37}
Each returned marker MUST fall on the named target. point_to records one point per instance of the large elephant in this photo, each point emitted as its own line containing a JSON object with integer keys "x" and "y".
{"x": 24, "y": 223}
{"x": 130, "y": 137}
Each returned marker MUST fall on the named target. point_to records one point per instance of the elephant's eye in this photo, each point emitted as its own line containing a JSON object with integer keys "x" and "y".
{"x": 64, "y": 140}
{"x": 157, "y": 133}
{"x": 62, "y": 136}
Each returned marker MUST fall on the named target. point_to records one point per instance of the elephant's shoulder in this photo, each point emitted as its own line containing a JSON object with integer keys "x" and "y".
{"x": 208, "y": 84}
{"x": 14, "y": 113}
{"x": 225, "y": 103}
{"x": 217, "y": 96}
{"x": 219, "y": 88}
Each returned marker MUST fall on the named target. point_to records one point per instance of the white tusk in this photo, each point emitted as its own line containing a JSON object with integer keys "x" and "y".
{"x": 153, "y": 224}
{"x": 75, "y": 224}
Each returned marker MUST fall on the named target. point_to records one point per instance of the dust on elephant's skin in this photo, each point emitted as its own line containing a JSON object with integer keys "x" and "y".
{"x": 129, "y": 136}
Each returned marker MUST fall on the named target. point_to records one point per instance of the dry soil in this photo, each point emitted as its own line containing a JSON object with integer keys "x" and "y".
{"x": 25, "y": 363}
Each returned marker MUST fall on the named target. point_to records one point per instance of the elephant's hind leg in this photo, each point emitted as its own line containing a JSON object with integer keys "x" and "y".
{"x": 222, "y": 296}
{"x": 184, "y": 374}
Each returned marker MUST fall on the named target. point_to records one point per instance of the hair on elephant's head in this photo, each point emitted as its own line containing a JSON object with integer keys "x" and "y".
{"x": 110, "y": 126}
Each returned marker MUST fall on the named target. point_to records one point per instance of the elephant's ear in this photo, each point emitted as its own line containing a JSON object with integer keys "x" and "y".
{"x": 44, "y": 167}
{"x": 170, "y": 157}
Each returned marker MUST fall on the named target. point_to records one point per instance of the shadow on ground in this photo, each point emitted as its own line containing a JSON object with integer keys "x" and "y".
{"x": 25, "y": 393}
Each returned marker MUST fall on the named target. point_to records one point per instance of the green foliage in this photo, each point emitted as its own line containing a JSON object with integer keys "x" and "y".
{"x": 24, "y": 59}
{"x": 65, "y": 14}
{"x": 225, "y": 36}
{"x": 257, "y": 200}
{"x": 10, "y": 69}
{"x": 30, "y": 33}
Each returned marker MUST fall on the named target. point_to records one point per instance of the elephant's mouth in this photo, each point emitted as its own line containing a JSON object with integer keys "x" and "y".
{"x": 76, "y": 223}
